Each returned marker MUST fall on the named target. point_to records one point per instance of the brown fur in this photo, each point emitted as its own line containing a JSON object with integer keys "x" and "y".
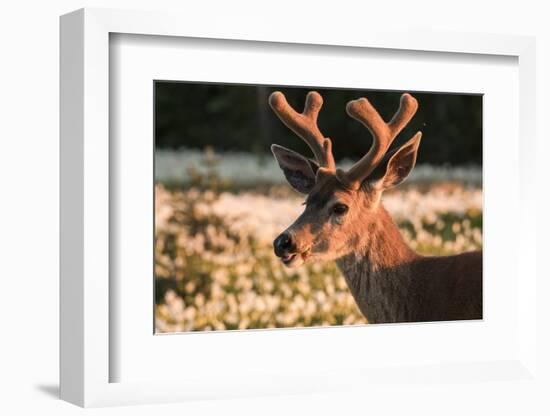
{"x": 392, "y": 283}
{"x": 388, "y": 280}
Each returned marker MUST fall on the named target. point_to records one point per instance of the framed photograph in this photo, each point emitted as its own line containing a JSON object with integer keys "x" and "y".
{"x": 246, "y": 215}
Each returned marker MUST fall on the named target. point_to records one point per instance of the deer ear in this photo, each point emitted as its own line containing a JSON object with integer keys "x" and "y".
{"x": 299, "y": 171}
{"x": 398, "y": 166}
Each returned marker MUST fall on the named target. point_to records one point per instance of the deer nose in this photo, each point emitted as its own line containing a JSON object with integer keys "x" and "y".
{"x": 283, "y": 244}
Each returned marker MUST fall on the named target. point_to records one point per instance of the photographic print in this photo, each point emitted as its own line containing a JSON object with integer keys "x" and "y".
{"x": 287, "y": 207}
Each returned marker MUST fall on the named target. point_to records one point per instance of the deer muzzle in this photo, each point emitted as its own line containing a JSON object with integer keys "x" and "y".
{"x": 287, "y": 250}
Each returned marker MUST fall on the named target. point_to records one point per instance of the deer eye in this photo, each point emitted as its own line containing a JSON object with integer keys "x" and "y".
{"x": 339, "y": 209}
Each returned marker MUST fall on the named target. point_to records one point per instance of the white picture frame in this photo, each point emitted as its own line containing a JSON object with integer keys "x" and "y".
{"x": 87, "y": 355}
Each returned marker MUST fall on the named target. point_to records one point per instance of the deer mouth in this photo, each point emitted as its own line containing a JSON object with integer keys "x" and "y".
{"x": 296, "y": 259}
{"x": 288, "y": 259}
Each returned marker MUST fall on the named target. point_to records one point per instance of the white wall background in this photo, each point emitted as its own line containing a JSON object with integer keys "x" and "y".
{"x": 29, "y": 101}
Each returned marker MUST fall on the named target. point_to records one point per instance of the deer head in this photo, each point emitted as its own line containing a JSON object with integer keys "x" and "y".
{"x": 340, "y": 206}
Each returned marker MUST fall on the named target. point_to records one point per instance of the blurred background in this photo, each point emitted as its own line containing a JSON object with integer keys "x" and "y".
{"x": 220, "y": 200}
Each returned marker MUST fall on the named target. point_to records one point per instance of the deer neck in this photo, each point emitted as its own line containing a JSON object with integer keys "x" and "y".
{"x": 378, "y": 271}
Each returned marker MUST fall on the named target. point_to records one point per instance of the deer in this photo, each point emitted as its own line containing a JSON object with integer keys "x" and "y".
{"x": 345, "y": 221}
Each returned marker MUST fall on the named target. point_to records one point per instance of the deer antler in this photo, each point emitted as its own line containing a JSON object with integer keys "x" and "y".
{"x": 305, "y": 125}
{"x": 383, "y": 135}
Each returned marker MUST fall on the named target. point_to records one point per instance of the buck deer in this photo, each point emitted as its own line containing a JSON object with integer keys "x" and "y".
{"x": 344, "y": 220}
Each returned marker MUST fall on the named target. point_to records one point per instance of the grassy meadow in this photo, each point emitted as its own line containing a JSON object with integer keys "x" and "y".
{"x": 217, "y": 215}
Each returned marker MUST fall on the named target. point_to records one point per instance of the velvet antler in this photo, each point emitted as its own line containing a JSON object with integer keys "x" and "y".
{"x": 383, "y": 135}
{"x": 305, "y": 125}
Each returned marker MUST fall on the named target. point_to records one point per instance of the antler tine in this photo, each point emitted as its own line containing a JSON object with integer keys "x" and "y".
{"x": 383, "y": 135}
{"x": 305, "y": 126}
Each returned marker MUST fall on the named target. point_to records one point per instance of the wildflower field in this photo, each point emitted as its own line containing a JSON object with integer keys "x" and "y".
{"x": 215, "y": 222}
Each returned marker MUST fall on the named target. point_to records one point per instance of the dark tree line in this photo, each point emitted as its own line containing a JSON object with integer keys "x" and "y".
{"x": 238, "y": 118}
